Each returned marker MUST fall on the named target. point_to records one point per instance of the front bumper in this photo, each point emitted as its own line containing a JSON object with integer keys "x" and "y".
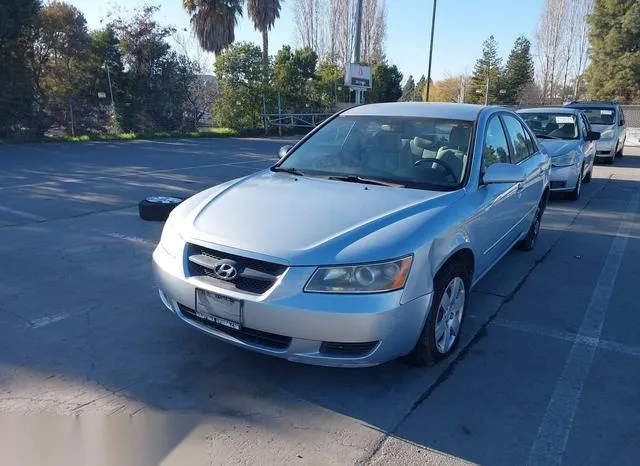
{"x": 322, "y": 329}
{"x": 564, "y": 179}
{"x": 606, "y": 149}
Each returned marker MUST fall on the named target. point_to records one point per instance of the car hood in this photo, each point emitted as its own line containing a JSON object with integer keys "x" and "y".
{"x": 309, "y": 221}
{"x": 558, "y": 147}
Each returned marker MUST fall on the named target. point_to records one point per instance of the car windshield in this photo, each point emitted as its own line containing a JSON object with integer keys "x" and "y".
{"x": 600, "y": 115}
{"x": 552, "y": 125}
{"x": 426, "y": 153}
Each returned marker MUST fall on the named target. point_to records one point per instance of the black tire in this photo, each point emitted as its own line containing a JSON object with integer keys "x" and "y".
{"x": 157, "y": 208}
{"x": 575, "y": 194}
{"x": 426, "y": 353}
{"x": 609, "y": 160}
{"x": 587, "y": 179}
{"x": 528, "y": 243}
{"x": 619, "y": 153}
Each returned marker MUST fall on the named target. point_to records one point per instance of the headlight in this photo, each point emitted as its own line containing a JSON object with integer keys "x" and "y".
{"x": 170, "y": 240}
{"x": 607, "y": 134}
{"x": 363, "y": 278}
{"x": 564, "y": 160}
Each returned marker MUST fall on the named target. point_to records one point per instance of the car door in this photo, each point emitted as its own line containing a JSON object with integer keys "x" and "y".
{"x": 497, "y": 206}
{"x": 525, "y": 152}
{"x": 588, "y": 147}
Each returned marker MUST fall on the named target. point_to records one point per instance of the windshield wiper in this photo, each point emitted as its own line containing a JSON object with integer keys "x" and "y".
{"x": 546, "y": 136}
{"x": 359, "y": 179}
{"x": 293, "y": 171}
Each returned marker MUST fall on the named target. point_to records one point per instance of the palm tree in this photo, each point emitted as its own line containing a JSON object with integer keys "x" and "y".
{"x": 264, "y": 13}
{"x": 214, "y": 21}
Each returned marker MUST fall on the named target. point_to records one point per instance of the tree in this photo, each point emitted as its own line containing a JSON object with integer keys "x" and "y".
{"x": 292, "y": 72}
{"x": 239, "y": 72}
{"x": 386, "y": 84}
{"x": 549, "y": 39}
{"x": 519, "y": 71}
{"x": 374, "y": 28}
{"x": 585, "y": 8}
{"x": 408, "y": 90}
{"x": 614, "y": 71}
{"x": 66, "y": 81}
{"x": 421, "y": 89}
{"x": 264, "y": 13}
{"x": 487, "y": 68}
{"x": 17, "y": 20}
{"x": 214, "y": 22}
{"x": 451, "y": 89}
{"x": 156, "y": 83}
{"x": 308, "y": 14}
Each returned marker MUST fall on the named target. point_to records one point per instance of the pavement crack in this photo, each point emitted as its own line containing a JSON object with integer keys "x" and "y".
{"x": 480, "y": 334}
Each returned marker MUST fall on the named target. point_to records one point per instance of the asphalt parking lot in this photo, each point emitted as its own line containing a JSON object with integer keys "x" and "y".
{"x": 548, "y": 371}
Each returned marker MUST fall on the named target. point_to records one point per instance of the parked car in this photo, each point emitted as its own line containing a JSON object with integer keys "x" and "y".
{"x": 362, "y": 243}
{"x": 566, "y": 135}
{"x": 607, "y": 118}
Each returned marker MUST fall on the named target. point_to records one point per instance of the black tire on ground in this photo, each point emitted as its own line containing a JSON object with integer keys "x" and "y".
{"x": 575, "y": 194}
{"x": 619, "y": 153}
{"x": 426, "y": 353}
{"x": 157, "y": 208}
{"x": 609, "y": 160}
{"x": 529, "y": 242}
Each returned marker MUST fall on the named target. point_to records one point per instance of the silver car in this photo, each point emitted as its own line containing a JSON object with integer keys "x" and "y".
{"x": 361, "y": 244}
{"x": 607, "y": 118}
{"x": 566, "y": 135}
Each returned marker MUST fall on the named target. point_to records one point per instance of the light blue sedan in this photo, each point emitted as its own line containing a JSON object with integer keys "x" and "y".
{"x": 567, "y": 136}
{"x": 362, "y": 243}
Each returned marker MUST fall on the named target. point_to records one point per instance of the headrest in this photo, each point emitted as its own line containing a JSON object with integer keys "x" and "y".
{"x": 421, "y": 142}
{"x": 388, "y": 141}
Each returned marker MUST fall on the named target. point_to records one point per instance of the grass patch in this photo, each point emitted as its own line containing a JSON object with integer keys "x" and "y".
{"x": 211, "y": 133}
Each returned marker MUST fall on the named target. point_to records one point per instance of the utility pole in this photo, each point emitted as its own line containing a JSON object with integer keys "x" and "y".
{"x": 113, "y": 107}
{"x": 433, "y": 23}
{"x": 357, "y": 45}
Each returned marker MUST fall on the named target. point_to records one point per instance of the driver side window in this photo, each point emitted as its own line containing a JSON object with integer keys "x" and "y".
{"x": 495, "y": 149}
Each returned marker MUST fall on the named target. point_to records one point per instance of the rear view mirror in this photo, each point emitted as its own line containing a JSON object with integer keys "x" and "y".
{"x": 284, "y": 150}
{"x": 593, "y": 136}
{"x": 504, "y": 173}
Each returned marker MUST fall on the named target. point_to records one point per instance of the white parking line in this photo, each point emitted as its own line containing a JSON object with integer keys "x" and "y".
{"x": 551, "y": 440}
{"x": 567, "y": 336}
{"x": 43, "y": 321}
{"x": 22, "y": 214}
{"x": 132, "y": 239}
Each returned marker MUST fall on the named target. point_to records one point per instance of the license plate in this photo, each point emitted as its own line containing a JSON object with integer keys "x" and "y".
{"x": 219, "y": 309}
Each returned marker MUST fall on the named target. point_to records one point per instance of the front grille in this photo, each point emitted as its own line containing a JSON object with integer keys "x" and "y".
{"x": 331, "y": 348}
{"x": 246, "y": 335}
{"x": 254, "y": 276}
{"x": 558, "y": 184}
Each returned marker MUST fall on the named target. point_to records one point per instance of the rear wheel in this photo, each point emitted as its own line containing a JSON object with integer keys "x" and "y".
{"x": 441, "y": 331}
{"x": 529, "y": 241}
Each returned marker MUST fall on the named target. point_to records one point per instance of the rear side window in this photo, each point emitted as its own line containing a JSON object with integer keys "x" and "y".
{"x": 496, "y": 149}
{"x": 520, "y": 141}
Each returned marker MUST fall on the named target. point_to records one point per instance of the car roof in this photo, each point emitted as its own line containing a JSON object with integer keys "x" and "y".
{"x": 567, "y": 110}
{"x": 454, "y": 111}
{"x": 593, "y": 103}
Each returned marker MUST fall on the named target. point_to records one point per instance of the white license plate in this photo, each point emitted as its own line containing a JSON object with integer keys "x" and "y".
{"x": 219, "y": 309}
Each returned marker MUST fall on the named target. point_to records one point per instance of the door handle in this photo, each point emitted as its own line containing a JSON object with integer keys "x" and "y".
{"x": 519, "y": 189}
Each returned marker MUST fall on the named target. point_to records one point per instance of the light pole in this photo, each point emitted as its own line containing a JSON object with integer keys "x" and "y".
{"x": 433, "y": 23}
{"x": 357, "y": 45}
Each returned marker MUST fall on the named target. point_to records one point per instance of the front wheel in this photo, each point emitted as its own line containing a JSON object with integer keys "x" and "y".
{"x": 441, "y": 331}
{"x": 575, "y": 194}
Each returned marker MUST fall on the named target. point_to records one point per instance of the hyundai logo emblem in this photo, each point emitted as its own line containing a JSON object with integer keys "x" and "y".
{"x": 225, "y": 271}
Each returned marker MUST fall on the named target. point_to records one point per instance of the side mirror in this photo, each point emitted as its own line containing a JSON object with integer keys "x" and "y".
{"x": 504, "y": 173}
{"x": 593, "y": 136}
{"x": 284, "y": 150}
{"x": 622, "y": 122}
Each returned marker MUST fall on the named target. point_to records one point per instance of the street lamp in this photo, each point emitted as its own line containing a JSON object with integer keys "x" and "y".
{"x": 433, "y": 23}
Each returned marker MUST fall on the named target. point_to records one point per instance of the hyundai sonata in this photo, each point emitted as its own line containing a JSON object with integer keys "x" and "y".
{"x": 362, "y": 242}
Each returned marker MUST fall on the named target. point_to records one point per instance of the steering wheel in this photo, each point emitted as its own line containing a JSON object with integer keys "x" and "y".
{"x": 440, "y": 162}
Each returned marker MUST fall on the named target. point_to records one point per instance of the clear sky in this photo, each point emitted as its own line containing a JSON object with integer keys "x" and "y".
{"x": 461, "y": 27}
